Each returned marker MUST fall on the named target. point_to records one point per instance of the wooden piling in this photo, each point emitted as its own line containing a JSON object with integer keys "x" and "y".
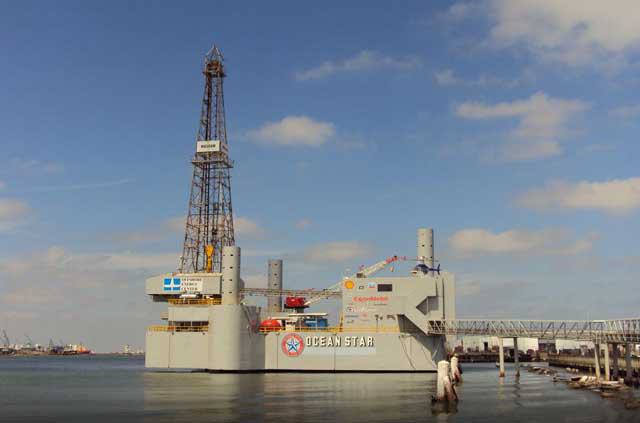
{"x": 615, "y": 357}
{"x": 456, "y": 375}
{"x": 443, "y": 373}
{"x": 596, "y": 356}
{"x": 516, "y": 359}
{"x": 628, "y": 368}
{"x": 501, "y": 350}
{"x": 607, "y": 364}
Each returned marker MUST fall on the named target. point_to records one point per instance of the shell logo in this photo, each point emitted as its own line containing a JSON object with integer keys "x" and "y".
{"x": 292, "y": 345}
{"x": 349, "y": 284}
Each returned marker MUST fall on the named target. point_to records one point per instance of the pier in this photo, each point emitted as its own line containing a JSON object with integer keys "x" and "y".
{"x": 603, "y": 333}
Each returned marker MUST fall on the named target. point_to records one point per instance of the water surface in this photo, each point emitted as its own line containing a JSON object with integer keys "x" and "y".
{"x": 100, "y": 388}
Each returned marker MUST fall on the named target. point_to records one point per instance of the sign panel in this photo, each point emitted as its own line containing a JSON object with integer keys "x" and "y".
{"x": 293, "y": 345}
{"x": 192, "y": 284}
{"x": 215, "y": 146}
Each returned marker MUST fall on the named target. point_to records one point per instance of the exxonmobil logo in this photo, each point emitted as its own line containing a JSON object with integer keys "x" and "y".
{"x": 372, "y": 298}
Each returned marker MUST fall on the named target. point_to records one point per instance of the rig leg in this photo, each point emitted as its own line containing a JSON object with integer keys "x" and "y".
{"x": 516, "y": 359}
{"x": 501, "y": 349}
{"x": 607, "y": 364}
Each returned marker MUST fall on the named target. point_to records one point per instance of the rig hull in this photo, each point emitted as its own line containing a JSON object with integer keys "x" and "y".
{"x": 296, "y": 351}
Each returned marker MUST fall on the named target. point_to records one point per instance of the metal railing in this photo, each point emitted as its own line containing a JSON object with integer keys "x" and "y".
{"x": 195, "y": 301}
{"x": 335, "y": 329}
{"x": 611, "y": 331}
{"x": 269, "y": 292}
{"x": 166, "y": 328}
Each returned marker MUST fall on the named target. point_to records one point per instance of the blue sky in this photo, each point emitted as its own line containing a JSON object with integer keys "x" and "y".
{"x": 509, "y": 127}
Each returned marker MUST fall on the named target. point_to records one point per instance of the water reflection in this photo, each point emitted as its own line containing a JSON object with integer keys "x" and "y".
{"x": 289, "y": 396}
{"x": 352, "y": 397}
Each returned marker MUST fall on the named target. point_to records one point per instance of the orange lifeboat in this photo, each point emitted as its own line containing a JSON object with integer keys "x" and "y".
{"x": 270, "y": 325}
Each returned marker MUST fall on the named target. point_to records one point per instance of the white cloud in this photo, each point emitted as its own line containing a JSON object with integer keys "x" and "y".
{"x": 52, "y": 281}
{"x": 293, "y": 131}
{"x": 542, "y": 120}
{"x": 243, "y": 226}
{"x": 626, "y": 112}
{"x": 462, "y": 10}
{"x": 617, "y": 196}
{"x": 302, "y": 224}
{"x": 176, "y": 224}
{"x": 76, "y": 187}
{"x": 337, "y": 252}
{"x": 34, "y": 166}
{"x": 590, "y": 32}
{"x": 470, "y": 242}
{"x": 255, "y": 281}
{"x": 448, "y": 77}
{"x": 160, "y": 262}
{"x": 12, "y": 213}
{"x": 366, "y": 60}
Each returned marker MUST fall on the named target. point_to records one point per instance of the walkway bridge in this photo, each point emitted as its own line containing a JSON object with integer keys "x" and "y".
{"x": 598, "y": 331}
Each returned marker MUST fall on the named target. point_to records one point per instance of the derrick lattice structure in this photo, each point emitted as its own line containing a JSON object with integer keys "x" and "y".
{"x": 209, "y": 225}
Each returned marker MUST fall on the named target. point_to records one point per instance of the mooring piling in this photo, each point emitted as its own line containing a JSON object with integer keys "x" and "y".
{"x": 501, "y": 350}
{"x": 516, "y": 359}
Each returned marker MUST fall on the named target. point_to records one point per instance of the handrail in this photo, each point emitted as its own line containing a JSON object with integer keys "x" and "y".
{"x": 335, "y": 329}
{"x": 162, "y": 328}
{"x": 195, "y": 301}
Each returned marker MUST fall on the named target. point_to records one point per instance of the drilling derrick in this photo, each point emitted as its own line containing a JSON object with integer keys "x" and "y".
{"x": 209, "y": 225}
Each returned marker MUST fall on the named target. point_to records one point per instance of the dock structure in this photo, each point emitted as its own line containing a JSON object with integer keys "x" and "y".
{"x": 601, "y": 332}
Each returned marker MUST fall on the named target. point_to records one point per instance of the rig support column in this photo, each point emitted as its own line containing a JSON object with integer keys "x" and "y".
{"x": 230, "y": 275}
{"x": 615, "y": 357}
{"x": 425, "y": 247}
{"x": 596, "y": 360}
{"x": 516, "y": 359}
{"x": 501, "y": 353}
{"x": 274, "y": 303}
{"x": 628, "y": 369}
{"x": 607, "y": 364}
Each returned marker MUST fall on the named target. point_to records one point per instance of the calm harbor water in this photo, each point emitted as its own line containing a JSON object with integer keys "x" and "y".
{"x": 119, "y": 389}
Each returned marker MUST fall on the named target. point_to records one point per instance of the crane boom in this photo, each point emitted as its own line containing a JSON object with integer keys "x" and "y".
{"x": 364, "y": 272}
{"x": 5, "y": 338}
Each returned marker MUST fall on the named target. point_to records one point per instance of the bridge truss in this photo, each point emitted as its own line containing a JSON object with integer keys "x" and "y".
{"x": 598, "y": 331}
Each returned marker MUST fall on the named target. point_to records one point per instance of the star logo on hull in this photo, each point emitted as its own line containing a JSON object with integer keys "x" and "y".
{"x": 292, "y": 345}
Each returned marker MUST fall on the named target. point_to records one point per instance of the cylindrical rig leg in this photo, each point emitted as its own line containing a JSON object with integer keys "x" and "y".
{"x": 274, "y": 302}
{"x": 628, "y": 369}
{"x": 596, "y": 360}
{"x": 425, "y": 247}
{"x": 230, "y": 275}
{"x": 516, "y": 359}
{"x": 607, "y": 363}
{"x": 615, "y": 357}
{"x": 501, "y": 350}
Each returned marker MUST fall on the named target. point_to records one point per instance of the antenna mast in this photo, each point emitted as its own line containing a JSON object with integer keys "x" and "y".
{"x": 209, "y": 225}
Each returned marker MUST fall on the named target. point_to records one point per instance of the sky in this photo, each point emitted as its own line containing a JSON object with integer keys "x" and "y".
{"x": 507, "y": 126}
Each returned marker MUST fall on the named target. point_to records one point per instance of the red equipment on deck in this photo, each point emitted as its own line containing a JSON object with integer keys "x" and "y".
{"x": 297, "y": 303}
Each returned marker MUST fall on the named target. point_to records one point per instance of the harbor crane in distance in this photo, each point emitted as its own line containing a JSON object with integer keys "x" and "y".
{"x": 5, "y": 339}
